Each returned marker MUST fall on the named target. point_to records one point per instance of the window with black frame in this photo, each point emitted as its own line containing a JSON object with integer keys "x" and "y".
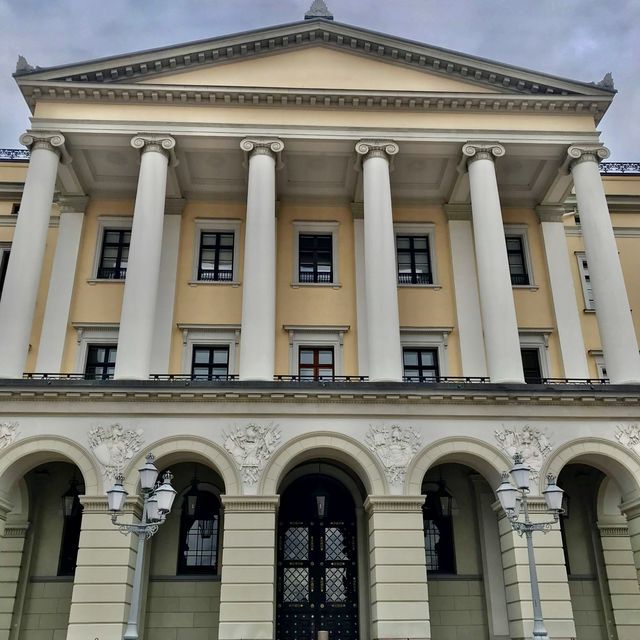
{"x": 216, "y": 256}
{"x": 315, "y": 258}
{"x": 531, "y": 365}
{"x": 420, "y": 364}
{"x": 210, "y": 362}
{"x": 199, "y": 532}
{"x": 101, "y": 361}
{"x": 114, "y": 255}
{"x": 438, "y": 535}
{"x": 72, "y": 514}
{"x": 4, "y": 263}
{"x": 517, "y": 261}
{"x": 414, "y": 260}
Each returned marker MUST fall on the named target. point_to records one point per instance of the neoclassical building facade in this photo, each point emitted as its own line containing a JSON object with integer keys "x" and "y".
{"x": 333, "y": 280}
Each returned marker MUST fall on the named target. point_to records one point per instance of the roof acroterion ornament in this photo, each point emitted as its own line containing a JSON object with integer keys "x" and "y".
{"x": 318, "y": 9}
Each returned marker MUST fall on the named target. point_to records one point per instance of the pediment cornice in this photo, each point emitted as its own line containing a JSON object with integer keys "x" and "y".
{"x": 131, "y": 68}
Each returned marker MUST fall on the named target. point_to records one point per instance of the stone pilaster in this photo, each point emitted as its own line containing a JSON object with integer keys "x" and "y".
{"x": 398, "y": 574}
{"x": 247, "y": 594}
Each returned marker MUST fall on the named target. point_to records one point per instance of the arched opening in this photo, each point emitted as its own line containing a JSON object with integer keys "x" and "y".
{"x": 183, "y": 593}
{"x": 320, "y": 564}
{"x": 460, "y": 535}
{"x": 583, "y": 552}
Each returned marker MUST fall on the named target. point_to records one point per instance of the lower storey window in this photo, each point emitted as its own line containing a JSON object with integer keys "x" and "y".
{"x": 438, "y": 536}
{"x": 210, "y": 362}
{"x": 101, "y": 362}
{"x": 420, "y": 364}
{"x": 531, "y": 366}
{"x": 316, "y": 363}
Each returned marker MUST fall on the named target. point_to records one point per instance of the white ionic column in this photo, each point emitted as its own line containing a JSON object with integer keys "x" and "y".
{"x": 465, "y": 282}
{"x": 619, "y": 341}
{"x": 258, "y": 328}
{"x": 137, "y": 319}
{"x": 574, "y": 357}
{"x": 27, "y": 251}
{"x": 502, "y": 344}
{"x": 56, "y": 314}
{"x": 381, "y": 273}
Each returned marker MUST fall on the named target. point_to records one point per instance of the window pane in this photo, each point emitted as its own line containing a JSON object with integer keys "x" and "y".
{"x": 306, "y": 356}
{"x": 428, "y": 358}
{"x": 325, "y": 356}
{"x": 305, "y": 372}
{"x": 201, "y": 356}
{"x": 420, "y": 243}
{"x": 220, "y": 356}
{"x": 226, "y": 240}
{"x": 402, "y": 242}
{"x": 411, "y": 358}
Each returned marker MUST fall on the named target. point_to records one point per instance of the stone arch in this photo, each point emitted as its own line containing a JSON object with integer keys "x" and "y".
{"x": 334, "y": 446}
{"x": 188, "y": 449}
{"x": 24, "y": 455}
{"x": 487, "y": 460}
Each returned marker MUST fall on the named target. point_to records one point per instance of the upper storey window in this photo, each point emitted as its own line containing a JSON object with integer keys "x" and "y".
{"x": 114, "y": 255}
{"x": 585, "y": 279}
{"x": 101, "y": 362}
{"x": 414, "y": 260}
{"x": 315, "y": 258}
{"x": 316, "y": 363}
{"x": 215, "y": 263}
{"x": 210, "y": 362}
{"x": 4, "y": 261}
{"x": 420, "y": 364}
{"x": 517, "y": 260}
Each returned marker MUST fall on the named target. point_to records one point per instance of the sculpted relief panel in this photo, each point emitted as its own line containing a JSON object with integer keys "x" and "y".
{"x": 394, "y": 446}
{"x": 8, "y": 433}
{"x": 114, "y": 446}
{"x": 532, "y": 443}
{"x": 251, "y": 448}
{"x": 628, "y": 435}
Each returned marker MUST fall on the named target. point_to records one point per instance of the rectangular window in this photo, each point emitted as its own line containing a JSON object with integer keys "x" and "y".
{"x": 215, "y": 263}
{"x": 585, "y": 279}
{"x": 531, "y": 365}
{"x": 4, "y": 261}
{"x": 517, "y": 260}
{"x": 101, "y": 362}
{"x": 414, "y": 260}
{"x": 15, "y": 207}
{"x": 210, "y": 362}
{"x": 114, "y": 255}
{"x": 420, "y": 365}
{"x": 316, "y": 363}
{"x": 315, "y": 258}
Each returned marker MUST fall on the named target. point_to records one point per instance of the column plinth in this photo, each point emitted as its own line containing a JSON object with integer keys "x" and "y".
{"x": 380, "y": 273}
{"x": 27, "y": 251}
{"x": 502, "y": 343}
{"x": 619, "y": 342}
{"x": 258, "y": 328}
{"x": 137, "y": 319}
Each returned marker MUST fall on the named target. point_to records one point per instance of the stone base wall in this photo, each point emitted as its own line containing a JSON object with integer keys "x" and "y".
{"x": 587, "y": 609}
{"x": 46, "y": 610}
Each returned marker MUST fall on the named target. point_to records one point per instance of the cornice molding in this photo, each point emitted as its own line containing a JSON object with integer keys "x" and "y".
{"x": 240, "y": 504}
{"x": 551, "y": 213}
{"x": 73, "y": 204}
{"x": 404, "y": 504}
{"x": 613, "y": 530}
{"x": 16, "y": 530}
{"x": 457, "y": 211}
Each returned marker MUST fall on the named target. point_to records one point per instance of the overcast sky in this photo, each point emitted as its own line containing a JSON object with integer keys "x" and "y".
{"x": 577, "y": 39}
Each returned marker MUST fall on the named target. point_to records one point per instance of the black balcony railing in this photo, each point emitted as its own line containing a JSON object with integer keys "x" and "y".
{"x": 221, "y": 275}
{"x": 14, "y": 154}
{"x": 324, "y": 278}
{"x": 112, "y": 273}
{"x": 519, "y": 279}
{"x": 327, "y": 378}
{"x": 415, "y": 278}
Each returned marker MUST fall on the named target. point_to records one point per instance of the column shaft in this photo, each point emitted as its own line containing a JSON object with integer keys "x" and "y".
{"x": 258, "y": 329}
{"x": 617, "y": 332}
{"x": 247, "y": 592}
{"x": 361, "y": 303}
{"x": 572, "y": 346}
{"x": 56, "y": 314}
{"x": 398, "y": 575}
{"x": 502, "y": 343}
{"x": 137, "y": 319}
{"x": 381, "y": 279}
{"x": 27, "y": 253}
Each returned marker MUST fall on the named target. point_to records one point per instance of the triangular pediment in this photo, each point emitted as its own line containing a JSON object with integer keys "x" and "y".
{"x": 317, "y": 67}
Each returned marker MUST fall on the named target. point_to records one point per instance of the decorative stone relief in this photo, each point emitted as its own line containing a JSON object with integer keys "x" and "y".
{"x": 532, "y": 443}
{"x": 628, "y": 435}
{"x": 8, "y": 433}
{"x": 251, "y": 448}
{"x": 114, "y": 446}
{"x": 395, "y": 446}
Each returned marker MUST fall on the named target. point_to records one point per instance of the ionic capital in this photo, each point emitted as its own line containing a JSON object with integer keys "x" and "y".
{"x": 271, "y": 147}
{"x": 50, "y": 140}
{"x": 384, "y": 149}
{"x": 159, "y": 143}
{"x": 482, "y": 150}
{"x": 587, "y": 153}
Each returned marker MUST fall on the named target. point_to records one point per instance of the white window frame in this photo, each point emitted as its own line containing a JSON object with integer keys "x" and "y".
{"x": 316, "y": 336}
{"x": 104, "y": 223}
{"x": 418, "y": 229}
{"x": 215, "y": 335}
{"x": 537, "y": 339}
{"x": 313, "y": 227}
{"x": 93, "y": 333}
{"x": 522, "y": 231}
{"x": 598, "y": 358}
{"x": 216, "y": 225}
{"x": 428, "y": 338}
{"x": 589, "y": 301}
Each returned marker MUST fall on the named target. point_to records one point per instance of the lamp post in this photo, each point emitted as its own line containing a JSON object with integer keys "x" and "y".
{"x": 515, "y": 504}
{"x": 157, "y": 500}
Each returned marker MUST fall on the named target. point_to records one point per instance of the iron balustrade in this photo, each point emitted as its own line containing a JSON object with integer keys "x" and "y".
{"x": 210, "y": 275}
{"x": 415, "y": 278}
{"x": 305, "y": 277}
{"x": 620, "y": 168}
{"x": 112, "y": 273}
{"x": 14, "y": 154}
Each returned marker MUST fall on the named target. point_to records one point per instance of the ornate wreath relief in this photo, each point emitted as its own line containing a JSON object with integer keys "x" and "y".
{"x": 8, "y": 433}
{"x": 533, "y": 444}
{"x": 251, "y": 448}
{"x": 395, "y": 446}
{"x": 114, "y": 446}
{"x": 628, "y": 435}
